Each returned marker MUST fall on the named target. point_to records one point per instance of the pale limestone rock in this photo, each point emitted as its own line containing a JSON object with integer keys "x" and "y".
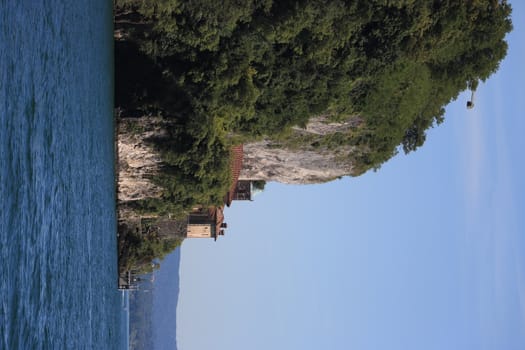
{"x": 266, "y": 160}
{"x": 137, "y": 163}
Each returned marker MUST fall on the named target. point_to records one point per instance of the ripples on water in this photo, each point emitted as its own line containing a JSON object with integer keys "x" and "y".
{"x": 57, "y": 233}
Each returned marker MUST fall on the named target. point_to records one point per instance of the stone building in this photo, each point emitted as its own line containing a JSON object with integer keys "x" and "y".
{"x": 206, "y": 223}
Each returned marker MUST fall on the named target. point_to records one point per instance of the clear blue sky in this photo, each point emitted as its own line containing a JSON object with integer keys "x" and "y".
{"x": 426, "y": 253}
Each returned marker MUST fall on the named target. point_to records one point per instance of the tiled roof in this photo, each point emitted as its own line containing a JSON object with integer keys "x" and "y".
{"x": 217, "y": 215}
{"x": 235, "y": 169}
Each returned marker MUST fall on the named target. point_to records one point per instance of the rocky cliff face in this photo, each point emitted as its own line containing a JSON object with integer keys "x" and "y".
{"x": 137, "y": 160}
{"x": 303, "y": 164}
{"x": 263, "y": 161}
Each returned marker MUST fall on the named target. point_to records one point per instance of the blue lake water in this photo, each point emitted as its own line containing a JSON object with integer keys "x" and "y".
{"x": 57, "y": 220}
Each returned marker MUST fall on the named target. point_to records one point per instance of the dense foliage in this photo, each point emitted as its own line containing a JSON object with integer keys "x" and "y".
{"x": 140, "y": 245}
{"x": 196, "y": 168}
{"x": 254, "y": 68}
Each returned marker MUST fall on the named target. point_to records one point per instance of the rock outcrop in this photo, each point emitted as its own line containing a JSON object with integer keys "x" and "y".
{"x": 263, "y": 160}
{"x": 270, "y": 161}
{"x": 137, "y": 160}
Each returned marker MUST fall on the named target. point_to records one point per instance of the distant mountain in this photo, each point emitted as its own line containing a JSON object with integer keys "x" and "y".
{"x": 153, "y": 308}
{"x": 140, "y": 319}
{"x": 165, "y": 299}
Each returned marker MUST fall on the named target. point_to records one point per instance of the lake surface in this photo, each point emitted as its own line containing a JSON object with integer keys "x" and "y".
{"x": 57, "y": 181}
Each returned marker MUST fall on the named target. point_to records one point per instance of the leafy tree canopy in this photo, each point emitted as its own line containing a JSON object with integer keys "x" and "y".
{"x": 257, "y": 67}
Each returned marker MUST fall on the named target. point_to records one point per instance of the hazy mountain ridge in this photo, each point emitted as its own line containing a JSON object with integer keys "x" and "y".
{"x": 150, "y": 312}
